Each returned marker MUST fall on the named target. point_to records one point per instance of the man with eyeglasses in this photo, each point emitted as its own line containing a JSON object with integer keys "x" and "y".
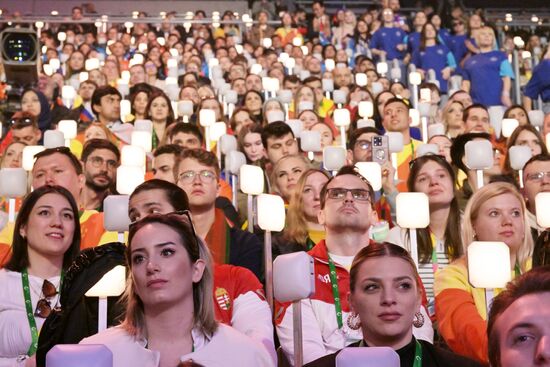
{"x": 347, "y": 212}
{"x": 100, "y": 159}
{"x": 536, "y": 179}
{"x": 197, "y": 172}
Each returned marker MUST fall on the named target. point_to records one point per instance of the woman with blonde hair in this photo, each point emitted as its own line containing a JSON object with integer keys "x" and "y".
{"x": 496, "y": 212}
{"x": 286, "y": 173}
{"x": 302, "y": 229}
{"x": 452, "y": 118}
{"x": 170, "y": 311}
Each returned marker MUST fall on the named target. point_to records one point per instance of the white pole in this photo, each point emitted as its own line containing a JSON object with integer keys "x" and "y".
{"x": 297, "y": 327}
{"x": 268, "y": 269}
{"x": 102, "y": 314}
{"x": 11, "y": 210}
{"x": 414, "y": 246}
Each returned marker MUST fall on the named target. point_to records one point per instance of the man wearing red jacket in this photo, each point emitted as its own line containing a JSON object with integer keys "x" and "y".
{"x": 347, "y": 212}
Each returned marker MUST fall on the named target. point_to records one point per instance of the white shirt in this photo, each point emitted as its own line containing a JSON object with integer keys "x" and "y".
{"x": 227, "y": 347}
{"x": 15, "y": 332}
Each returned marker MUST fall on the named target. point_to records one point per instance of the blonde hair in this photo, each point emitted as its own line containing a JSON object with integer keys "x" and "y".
{"x": 273, "y": 178}
{"x": 203, "y": 304}
{"x": 472, "y": 211}
{"x": 296, "y": 222}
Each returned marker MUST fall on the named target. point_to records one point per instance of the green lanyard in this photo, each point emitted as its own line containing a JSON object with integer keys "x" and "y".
{"x": 417, "y": 362}
{"x": 28, "y": 309}
{"x": 517, "y": 270}
{"x": 335, "y": 292}
{"x": 30, "y": 315}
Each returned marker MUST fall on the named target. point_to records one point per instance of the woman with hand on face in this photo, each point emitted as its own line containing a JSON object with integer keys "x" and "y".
{"x": 440, "y": 242}
{"x": 496, "y": 212}
{"x": 302, "y": 230}
{"x": 385, "y": 298}
{"x": 170, "y": 312}
{"x": 46, "y": 241}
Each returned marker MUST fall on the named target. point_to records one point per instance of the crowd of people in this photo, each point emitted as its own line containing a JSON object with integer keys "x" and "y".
{"x": 195, "y": 288}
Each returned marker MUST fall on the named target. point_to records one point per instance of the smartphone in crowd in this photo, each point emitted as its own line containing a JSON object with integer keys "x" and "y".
{"x": 380, "y": 149}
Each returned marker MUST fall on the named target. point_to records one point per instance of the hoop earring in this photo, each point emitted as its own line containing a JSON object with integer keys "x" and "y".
{"x": 418, "y": 320}
{"x": 353, "y": 321}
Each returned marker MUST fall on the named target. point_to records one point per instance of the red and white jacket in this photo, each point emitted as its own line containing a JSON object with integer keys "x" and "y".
{"x": 320, "y": 332}
{"x": 239, "y": 301}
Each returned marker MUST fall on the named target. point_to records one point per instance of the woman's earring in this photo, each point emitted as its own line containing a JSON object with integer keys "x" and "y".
{"x": 353, "y": 321}
{"x": 418, "y": 320}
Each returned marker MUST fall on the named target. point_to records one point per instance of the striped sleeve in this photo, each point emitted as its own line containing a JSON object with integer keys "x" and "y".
{"x": 456, "y": 307}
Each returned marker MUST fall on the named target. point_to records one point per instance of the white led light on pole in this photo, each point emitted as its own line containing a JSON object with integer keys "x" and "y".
{"x": 28, "y": 156}
{"x": 436, "y": 129}
{"x": 334, "y": 158}
{"x": 293, "y": 281}
{"x": 415, "y": 79}
{"x": 207, "y": 118}
{"x": 368, "y": 357}
{"x": 285, "y": 97}
{"x": 56, "y": 64}
{"x": 123, "y": 87}
{"x": 542, "y": 208}
{"x": 395, "y": 145}
{"x": 271, "y": 218}
{"x": 489, "y": 267}
{"x": 142, "y": 139}
{"x": 185, "y": 109}
{"x": 310, "y": 142}
{"x": 115, "y": 208}
{"x": 382, "y": 69}
{"x": 426, "y": 149}
{"x": 233, "y": 162}
{"x": 328, "y": 87}
{"x": 83, "y": 76}
{"x": 132, "y": 155}
{"x": 342, "y": 119}
{"x": 372, "y": 171}
{"x": 13, "y": 184}
{"x": 329, "y": 64}
{"x": 508, "y": 127}
{"x": 413, "y": 211}
{"x": 479, "y": 156}
{"x": 128, "y": 178}
{"x": 91, "y": 64}
{"x": 274, "y": 115}
{"x": 290, "y": 63}
{"x": 231, "y": 98}
{"x": 125, "y": 110}
{"x": 256, "y": 69}
{"x": 414, "y": 116}
{"x": 297, "y": 127}
{"x": 424, "y": 110}
{"x": 251, "y": 179}
{"x": 495, "y": 118}
{"x": 425, "y": 95}
{"x": 361, "y": 79}
{"x": 68, "y": 94}
{"x": 143, "y": 125}
{"x": 217, "y": 130}
{"x": 365, "y": 109}
{"x": 266, "y": 42}
{"x": 53, "y": 139}
{"x": 339, "y": 97}
{"x": 519, "y": 155}
{"x": 69, "y": 130}
{"x": 112, "y": 284}
{"x": 365, "y": 123}
{"x": 536, "y": 117}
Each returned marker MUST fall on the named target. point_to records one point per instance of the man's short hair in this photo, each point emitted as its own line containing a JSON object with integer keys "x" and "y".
{"x": 358, "y": 132}
{"x": 276, "y": 129}
{"x": 185, "y": 128}
{"x": 202, "y": 156}
{"x": 536, "y": 158}
{"x": 398, "y": 100}
{"x": 100, "y": 92}
{"x": 176, "y": 196}
{"x": 532, "y": 282}
{"x": 291, "y": 79}
{"x": 66, "y": 152}
{"x": 347, "y": 170}
{"x": 89, "y": 81}
{"x": 168, "y": 149}
{"x": 95, "y": 144}
{"x": 311, "y": 79}
{"x": 467, "y": 110}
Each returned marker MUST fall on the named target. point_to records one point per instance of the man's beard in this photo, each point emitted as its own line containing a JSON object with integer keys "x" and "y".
{"x": 98, "y": 187}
